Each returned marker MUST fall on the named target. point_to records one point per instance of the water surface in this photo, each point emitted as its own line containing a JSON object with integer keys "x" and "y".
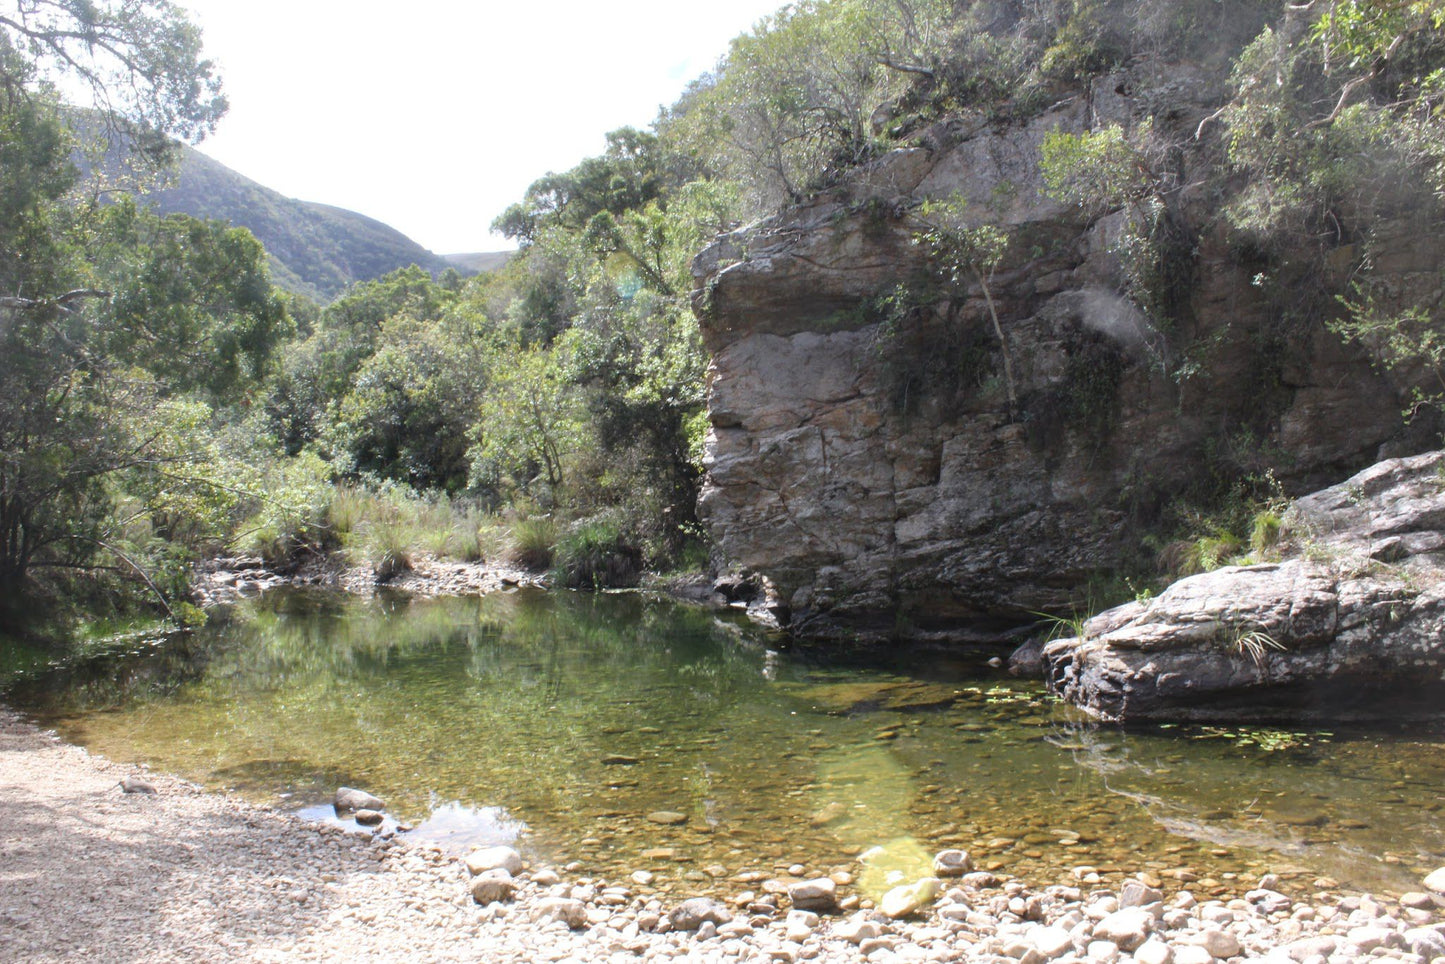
{"x": 623, "y": 733}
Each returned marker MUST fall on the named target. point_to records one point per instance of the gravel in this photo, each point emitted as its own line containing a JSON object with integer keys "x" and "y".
{"x": 90, "y": 872}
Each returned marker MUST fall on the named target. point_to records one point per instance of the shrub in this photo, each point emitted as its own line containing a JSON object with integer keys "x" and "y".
{"x": 594, "y": 555}
{"x": 533, "y": 542}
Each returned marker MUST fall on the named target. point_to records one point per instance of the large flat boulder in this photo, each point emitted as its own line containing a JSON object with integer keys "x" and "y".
{"x": 1349, "y": 625}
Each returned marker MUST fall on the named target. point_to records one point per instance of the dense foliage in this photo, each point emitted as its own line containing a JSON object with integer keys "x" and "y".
{"x": 159, "y": 400}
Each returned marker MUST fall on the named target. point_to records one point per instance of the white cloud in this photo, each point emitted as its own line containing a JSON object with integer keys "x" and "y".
{"x": 434, "y": 115}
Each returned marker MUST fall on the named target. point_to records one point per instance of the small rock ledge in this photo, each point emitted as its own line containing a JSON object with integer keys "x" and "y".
{"x": 1350, "y": 625}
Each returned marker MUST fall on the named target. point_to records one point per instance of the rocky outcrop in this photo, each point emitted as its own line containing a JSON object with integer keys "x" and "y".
{"x": 1352, "y": 625}
{"x": 865, "y": 457}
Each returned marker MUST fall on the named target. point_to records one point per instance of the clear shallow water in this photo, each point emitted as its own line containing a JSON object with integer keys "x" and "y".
{"x": 572, "y": 724}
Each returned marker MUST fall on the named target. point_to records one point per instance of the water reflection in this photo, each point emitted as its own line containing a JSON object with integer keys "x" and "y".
{"x": 627, "y": 734}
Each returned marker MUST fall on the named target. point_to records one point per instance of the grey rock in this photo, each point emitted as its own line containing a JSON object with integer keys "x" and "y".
{"x": 348, "y": 800}
{"x": 492, "y": 886}
{"x": 571, "y": 912}
{"x": 951, "y": 863}
{"x": 1428, "y": 942}
{"x": 491, "y": 858}
{"x": 1268, "y": 901}
{"x": 1136, "y": 894}
{"x": 693, "y": 913}
{"x": 857, "y": 929}
{"x": 1051, "y": 942}
{"x": 1127, "y": 928}
{"x": 1154, "y": 951}
{"x": 1436, "y": 881}
{"x": 819, "y": 894}
{"x": 854, "y": 490}
{"x": 1192, "y": 954}
{"x": 1327, "y": 636}
{"x": 368, "y": 818}
{"x": 1219, "y": 943}
{"x": 136, "y": 785}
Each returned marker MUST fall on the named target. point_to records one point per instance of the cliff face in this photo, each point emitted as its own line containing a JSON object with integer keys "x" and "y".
{"x": 864, "y": 455}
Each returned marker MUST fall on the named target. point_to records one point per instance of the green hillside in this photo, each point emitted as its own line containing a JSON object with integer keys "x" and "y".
{"x": 315, "y": 249}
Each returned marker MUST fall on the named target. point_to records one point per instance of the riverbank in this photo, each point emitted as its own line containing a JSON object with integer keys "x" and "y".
{"x": 92, "y": 871}
{"x": 226, "y": 579}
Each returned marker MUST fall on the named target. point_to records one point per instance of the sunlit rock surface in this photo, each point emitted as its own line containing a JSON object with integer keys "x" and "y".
{"x": 1352, "y": 626}
{"x": 863, "y": 455}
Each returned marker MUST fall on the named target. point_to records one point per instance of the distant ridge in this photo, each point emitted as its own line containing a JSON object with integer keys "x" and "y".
{"x": 479, "y": 262}
{"x": 316, "y": 250}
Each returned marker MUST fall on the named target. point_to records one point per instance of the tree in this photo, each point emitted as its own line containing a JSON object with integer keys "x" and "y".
{"x": 962, "y": 253}
{"x": 137, "y": 64}
{"x": 78, "y": 407}
{"x": 531, "y": 420}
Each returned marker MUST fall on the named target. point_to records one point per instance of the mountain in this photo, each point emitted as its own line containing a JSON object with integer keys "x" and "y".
{"x": 316, "y": 250}
{"x": 479, "y": 262}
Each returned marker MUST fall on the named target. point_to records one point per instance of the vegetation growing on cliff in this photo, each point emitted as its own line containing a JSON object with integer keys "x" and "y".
{"x": 160, "y": 400}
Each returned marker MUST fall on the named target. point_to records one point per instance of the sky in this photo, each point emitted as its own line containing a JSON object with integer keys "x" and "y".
{"x": 434, "y": 115}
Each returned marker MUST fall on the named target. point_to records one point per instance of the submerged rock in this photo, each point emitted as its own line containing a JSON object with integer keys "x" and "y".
{"x": 1334, "y": 633}
{"x": 909, "y": 899}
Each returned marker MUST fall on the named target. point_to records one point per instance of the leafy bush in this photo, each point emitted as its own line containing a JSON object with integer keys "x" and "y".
{"x": 594, "y": 555}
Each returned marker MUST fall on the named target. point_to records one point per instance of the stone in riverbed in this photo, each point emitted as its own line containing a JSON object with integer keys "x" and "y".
{"x": 348, "y": 800}
{"x": 619, "y": 760}
{"x": 1436, "y": 881}
{"x": 492, "y": 886}
{"x": 857, "y": 929}
{"x": 136, "y": 785}
{"x": 491, "y": 858}
{"x": 820, "y": 895}
{"x": 1154, "y": 951}
{"x": 368, "y": 818}
{"x": 952, "y": 863}
{"x": 692, "y": 914}
{"x": 1127, "y": 928}
{"x": 1428, "y": 942}
{"x": 571, "y": 912}
{"x": 908, "y": 899}
{"x": 1219, "y": 943}
{"x": 668, "y": 818}
{"x": 1136, "y": 893}
{"x": 1052, "y": 942}
{"x": 1192, "y": 954}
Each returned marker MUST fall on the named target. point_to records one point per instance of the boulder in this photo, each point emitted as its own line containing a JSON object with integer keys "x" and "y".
{"x": 348, "y": 800}
{"x": 1436, "y": 881}
{"x": 493, "y": 858}
{"x": 368, "y": 818}
{"x": 1330, "y": 634}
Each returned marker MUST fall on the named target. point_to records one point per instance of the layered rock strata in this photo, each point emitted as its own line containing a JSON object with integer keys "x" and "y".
{"x": 871, "y": 457}
{"x": 1351, "y": 625}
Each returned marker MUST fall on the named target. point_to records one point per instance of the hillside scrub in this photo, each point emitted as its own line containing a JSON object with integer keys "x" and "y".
{"x": 189, "y": 408}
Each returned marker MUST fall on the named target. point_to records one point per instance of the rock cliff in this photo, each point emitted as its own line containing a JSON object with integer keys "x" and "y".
{"x": 1352, "y": 625}
{"x": 865, "y": 457}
